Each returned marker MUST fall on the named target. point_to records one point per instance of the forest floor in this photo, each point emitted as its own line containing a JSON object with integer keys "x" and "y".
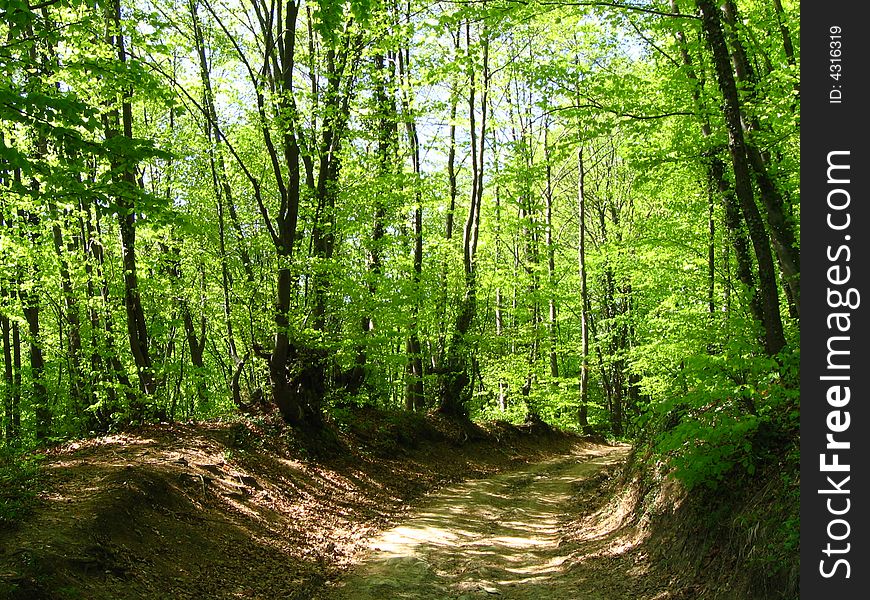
{"x": 400, "y": 507}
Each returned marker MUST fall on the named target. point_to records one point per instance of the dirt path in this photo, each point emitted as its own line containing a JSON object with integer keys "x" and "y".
{"x": 236, "y": 510}
{"x": 495, "y": 537}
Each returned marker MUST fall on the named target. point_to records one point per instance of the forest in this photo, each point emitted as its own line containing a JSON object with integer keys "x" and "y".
{"x": 578, "y": 213}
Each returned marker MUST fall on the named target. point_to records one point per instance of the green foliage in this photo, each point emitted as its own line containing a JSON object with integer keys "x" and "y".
{"x": 179, "y": 196}
{"x": 203, "y": 190}
{"x": 730, "y": 430}
{"x": 709, "y": 445}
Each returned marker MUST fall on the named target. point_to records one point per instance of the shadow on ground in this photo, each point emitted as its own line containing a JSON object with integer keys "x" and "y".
{"x": 494, "y": 537}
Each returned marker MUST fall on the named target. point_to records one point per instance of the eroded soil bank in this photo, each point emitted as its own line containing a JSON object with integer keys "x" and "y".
{"x": 241, "y": 510}
{"x": 400, "y": 508}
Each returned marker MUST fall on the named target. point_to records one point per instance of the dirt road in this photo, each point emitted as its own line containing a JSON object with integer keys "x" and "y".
{"x": 497, "y": 537}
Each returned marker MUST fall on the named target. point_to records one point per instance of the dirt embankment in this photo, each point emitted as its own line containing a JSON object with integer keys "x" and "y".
{"x": 239, "y": 510}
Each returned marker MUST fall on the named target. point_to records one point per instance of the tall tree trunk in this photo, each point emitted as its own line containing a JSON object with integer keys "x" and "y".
{"x": 224, "y": 197}
{"x": 782, "y": 232}
{"x": 194, "y": 332}
{"x": 737, "y": 236}
{"x": 339, "y": 69}
{"x": 102, "y": 328}
{"x": 292, "y": 389}
{"x": 115, "y": 125}
{"x": 385, "y": 161}
{"x": 532, "y": 260}
{"x": 414, "y": 392}
{"x": 452, "y": 174}
{"x": 298, "y": 373}
{"x": 718, "y": 187}
{"x": 533, "y": 307}
{"x": 217, "y": 160}
{"x": 43, "y": 53}
{"x": 583, "y": 409}
{"x": 10, "y": 393}
{"x": 774, "y": 339}
{"x": 40, "y": 399}
{"x": 499, "y": 295}
{"x": 711, "y": 256}
{"x": 551, "y": 260}
{"x": 28, "y": 223}
{"x": 414, "y": 388}
{"x": 70, "y": 315}
{"x": 10, "y": 430}
{"x": 386, "y": 156}
{"x": 16, "y": 377}
{"x": 787, "y": 45}
{"x": 455, "y": 389}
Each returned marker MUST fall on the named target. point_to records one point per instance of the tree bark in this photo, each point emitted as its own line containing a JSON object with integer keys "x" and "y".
{"x": 102, "y": 327}
{"x": 718, "y": 187}
{"x": 782, "y": 232}
{"x": 116, "y": 124}
{"x": 10, "y": 429}
{"x": 16, "y": 377}
{"x": 70, "y": 315}
{"x": 583, "y": 409}
{"x": 787, "y": 45}
{"x": 11, "y": 395}
{"x": 551, "y": 260}
{"x": 774, "y": 339}
{"x": 499, "y": 295}
{"x": 455, "y": 389}
{"x": 222, "y": 190}
{"x": 40, "y": 399}
{"x": 414, "y": 387}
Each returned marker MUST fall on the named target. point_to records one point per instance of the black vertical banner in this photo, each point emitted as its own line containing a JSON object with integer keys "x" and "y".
{"x": 835, "y": 231}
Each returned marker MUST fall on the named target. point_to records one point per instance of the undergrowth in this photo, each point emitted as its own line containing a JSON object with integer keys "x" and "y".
{"x": 19, "y": 477}
{"x": 734, "y": 527}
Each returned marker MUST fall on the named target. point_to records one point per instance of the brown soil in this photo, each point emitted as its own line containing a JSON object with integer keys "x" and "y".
{"x": 241, "y": 511}
{"x": 498, "y": 536}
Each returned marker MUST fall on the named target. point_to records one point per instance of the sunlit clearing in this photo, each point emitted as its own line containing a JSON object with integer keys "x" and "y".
{"x": 404, "y": 540}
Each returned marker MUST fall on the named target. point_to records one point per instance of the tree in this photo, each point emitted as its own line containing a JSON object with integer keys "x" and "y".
{"x": 456, "y": 378}
{"x": 211, "y": 207}
{"x": 774, "y": 339}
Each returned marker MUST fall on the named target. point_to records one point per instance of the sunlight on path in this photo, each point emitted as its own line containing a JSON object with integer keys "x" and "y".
{"x": 495, "y": 537}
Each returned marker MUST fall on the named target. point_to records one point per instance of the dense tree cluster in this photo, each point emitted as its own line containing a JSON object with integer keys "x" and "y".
{"x": 583, "y": 212}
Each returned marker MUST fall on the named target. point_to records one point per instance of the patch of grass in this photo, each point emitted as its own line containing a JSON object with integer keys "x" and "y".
{"x": 19, "y": 476}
